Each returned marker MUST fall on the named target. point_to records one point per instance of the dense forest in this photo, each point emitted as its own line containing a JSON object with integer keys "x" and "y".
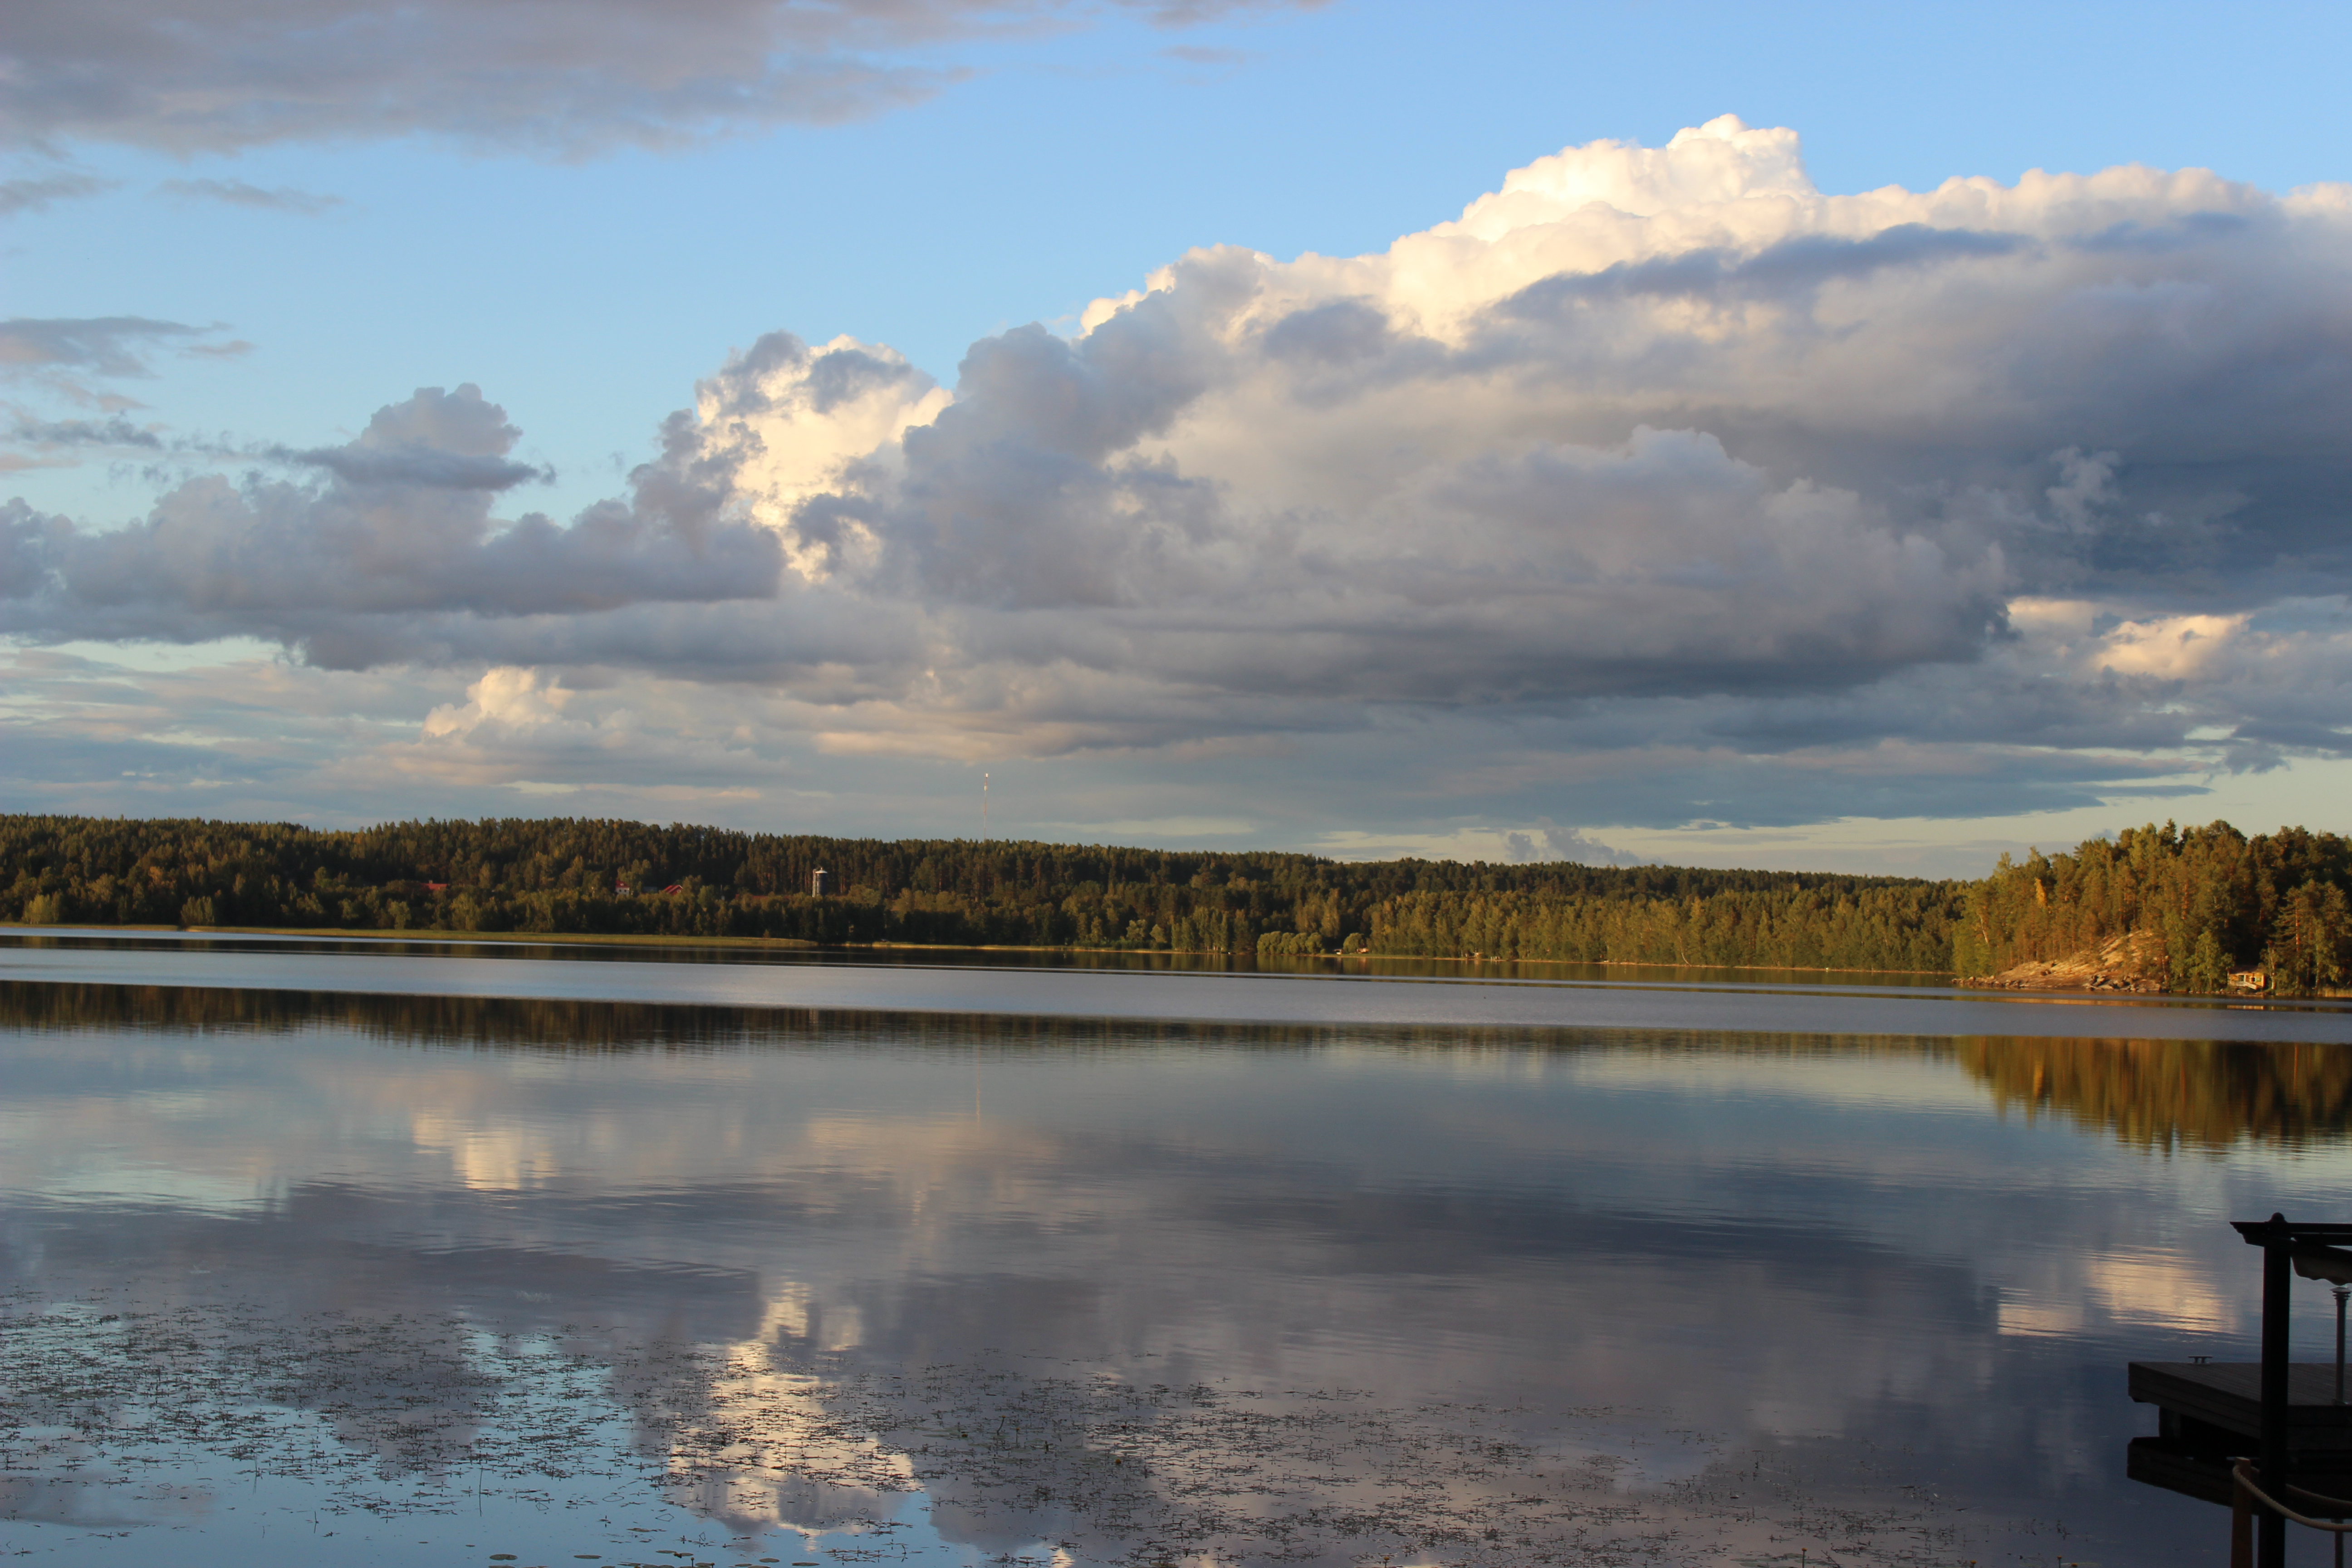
{"x": 634, "y": 879}
{"x": 2211, "y": 899}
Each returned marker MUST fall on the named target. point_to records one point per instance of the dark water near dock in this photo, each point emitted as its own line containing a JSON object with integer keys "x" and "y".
{"x": 317, "y": 1255}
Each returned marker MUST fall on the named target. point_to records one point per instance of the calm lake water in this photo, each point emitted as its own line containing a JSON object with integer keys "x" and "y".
{"x": 328, "y": 1253}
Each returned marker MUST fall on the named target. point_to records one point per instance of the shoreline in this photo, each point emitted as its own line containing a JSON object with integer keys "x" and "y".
{"x": 801, "y": 944}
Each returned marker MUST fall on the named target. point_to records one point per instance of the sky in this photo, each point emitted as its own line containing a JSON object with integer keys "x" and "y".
{"x": 1863, "y": 437}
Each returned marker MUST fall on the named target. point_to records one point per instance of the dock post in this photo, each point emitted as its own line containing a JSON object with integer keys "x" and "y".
{"x": 2278, "y": 1250}
{"x": 2343, "y": 1293}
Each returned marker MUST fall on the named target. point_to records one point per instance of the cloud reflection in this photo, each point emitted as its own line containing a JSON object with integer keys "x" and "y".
{"x": 812, "y": 1263}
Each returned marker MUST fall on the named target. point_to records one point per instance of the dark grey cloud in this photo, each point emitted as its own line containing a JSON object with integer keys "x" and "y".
{"x": 33, "y": 191}
{"x": 1643, "y": 494}
{"x": 1792, "y": 268}
{"x": 1798, "y": 457}
{"x": 114, "y": 432}
{"x": 414, "y": 465}
{"x": 1528, "y": 572}
{"x": 1338, "y": 333}
{"x": 563, "y": 79}
{"x": 27, "y": 538}
{"x": 1655, "y": 764}
{"x": 241, "y": 193}
{"x": 435, "y": 440}
{"x": 399, "y": 529}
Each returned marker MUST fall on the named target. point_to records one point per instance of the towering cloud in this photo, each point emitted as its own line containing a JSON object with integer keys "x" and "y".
{"x": 1658, "y": 453}
{"x": 1645, "y": 421}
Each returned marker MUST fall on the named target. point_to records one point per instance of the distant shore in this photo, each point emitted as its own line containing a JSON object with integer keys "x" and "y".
{"x": 786, "y": 944}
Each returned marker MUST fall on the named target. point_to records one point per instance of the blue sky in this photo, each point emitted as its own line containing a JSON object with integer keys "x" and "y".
{"x": 301, "y": 245}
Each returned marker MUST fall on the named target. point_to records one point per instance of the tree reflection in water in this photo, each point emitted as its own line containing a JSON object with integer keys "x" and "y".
{"x": 2152, "y": 1093}
{"x": 402, "y": 1342}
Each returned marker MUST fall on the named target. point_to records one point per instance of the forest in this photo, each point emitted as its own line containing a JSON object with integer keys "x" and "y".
{"x": 2209, "y": 901}
{"x": 2213, "y": 901}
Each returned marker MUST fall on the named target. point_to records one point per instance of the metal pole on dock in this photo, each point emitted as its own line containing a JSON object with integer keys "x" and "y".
{"x": 2278, "y": 1279}
{"x": 2342, "y": 1291}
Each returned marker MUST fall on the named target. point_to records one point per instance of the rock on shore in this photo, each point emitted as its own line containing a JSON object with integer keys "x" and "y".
{"x": 2132, "y": 963}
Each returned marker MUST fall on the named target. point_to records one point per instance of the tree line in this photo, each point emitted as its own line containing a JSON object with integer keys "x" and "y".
{"x": 2209, "y": 901}
{"x": 575, "y": 876}
{"x": 2213, "y": 899}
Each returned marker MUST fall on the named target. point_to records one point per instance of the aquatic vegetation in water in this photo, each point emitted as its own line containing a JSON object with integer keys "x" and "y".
{"x": 403, "y": 1415}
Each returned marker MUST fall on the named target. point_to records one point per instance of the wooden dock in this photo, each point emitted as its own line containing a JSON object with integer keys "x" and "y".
{"x": 2210, "y": 1413}
{"x": 2224, "y": 1400}
{"x": 2266, "y": 1438}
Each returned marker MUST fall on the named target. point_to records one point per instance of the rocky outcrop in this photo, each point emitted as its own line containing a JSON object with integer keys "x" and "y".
{"x": 2132, "y": 963}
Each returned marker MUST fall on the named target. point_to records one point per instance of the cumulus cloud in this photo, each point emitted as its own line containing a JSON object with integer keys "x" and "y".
{"x": 349, "y": 569}
{"x": 562, "y": 79}
{"x": 1655, "y": 464}
{"x": 1644, "y": 423}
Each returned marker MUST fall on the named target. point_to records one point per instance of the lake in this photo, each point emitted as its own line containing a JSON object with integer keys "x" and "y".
{"x": 329, "y": 1252}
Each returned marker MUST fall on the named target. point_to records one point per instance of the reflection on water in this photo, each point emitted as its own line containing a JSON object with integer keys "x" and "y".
{"x": 681, "y": 950}
{"x": 980, "y": 985}
{"x": 2160, "y": 1094}
{"x": 296, "y": 1278}
{"x": 2165, "y": 1094}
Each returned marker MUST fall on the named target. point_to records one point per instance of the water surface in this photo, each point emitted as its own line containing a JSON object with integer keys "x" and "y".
{"x": 329, "y": 1256}
{"x": 772, "y": 978}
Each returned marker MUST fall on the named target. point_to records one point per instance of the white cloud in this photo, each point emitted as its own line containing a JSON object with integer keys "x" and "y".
{"x": 2172, "y": 647}
{"x": 519, "y": 698}
{"x": 1644, "y": 422}
{"x": 1658, "y": 477}
{"x": 788, "y": 425}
